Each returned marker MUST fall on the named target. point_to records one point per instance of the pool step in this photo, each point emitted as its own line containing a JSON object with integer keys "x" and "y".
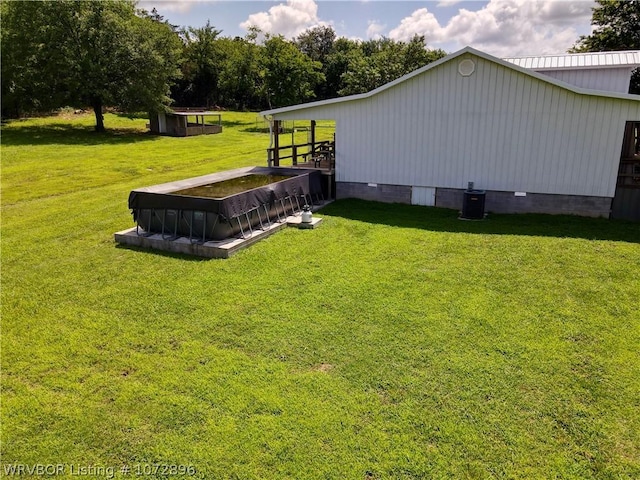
{"x": 296, "y": 221}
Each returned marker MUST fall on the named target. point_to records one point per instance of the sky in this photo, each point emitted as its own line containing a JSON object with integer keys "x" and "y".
{"x": 499, "y": 27}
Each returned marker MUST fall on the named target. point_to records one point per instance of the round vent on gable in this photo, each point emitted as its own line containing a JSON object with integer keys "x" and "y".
{"x": 466, "y": 67}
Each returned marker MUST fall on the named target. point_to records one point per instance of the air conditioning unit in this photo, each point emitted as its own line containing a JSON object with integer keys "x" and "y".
{"x": 473, "y": 203}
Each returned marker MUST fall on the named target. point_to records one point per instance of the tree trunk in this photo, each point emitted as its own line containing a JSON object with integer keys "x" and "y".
{"x": 97, "y": 109}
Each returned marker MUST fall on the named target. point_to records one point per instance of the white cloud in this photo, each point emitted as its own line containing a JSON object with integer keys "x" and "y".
{"x": 375, "y": 29}
{"x": 564, "y": 12}
{"x": 447, "y": 3}
{"x": 421, "y": 22}
{"x": 502, "y": 27}
{"x": 290, "y": 19}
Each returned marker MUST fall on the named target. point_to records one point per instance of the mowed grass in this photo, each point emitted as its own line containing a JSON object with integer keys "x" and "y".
{"x": 394, "y": 342}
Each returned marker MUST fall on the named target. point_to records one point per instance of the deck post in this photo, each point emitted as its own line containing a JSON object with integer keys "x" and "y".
{"x": 313, "y": 135}
{"x": 294, "y": 154}
{"x": 276, "y": 143}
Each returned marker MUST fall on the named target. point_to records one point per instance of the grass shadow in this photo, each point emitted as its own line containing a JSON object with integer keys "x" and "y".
{"x": 446, "y": 220}
{"x": 163, "y": 253}
{"x": 254, "y": 129}
{"x": 134, "y": 115}
{"x": 233, "y": 123}
{"x": 66, "y": 134}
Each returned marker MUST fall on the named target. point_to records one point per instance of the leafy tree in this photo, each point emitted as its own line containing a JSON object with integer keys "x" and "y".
{"x": 200, "y": 67}
{"x": 241, "y": 80}
{"x": 415, "y": 54}
{"x": 289, "y": 75}
{"x": 156, "y": 17}
{"x": 383, "y": 60}
{"x": 318, "y": 44}
{"x": 337, "y": 64}
{"x": 78, "y": 53}
{"x": 362, "y": 74}
{"x": 19, "y": 66}
{"x": 617, "y": 27}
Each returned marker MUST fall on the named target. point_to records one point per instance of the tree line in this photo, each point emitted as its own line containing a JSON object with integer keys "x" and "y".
{"x": 242, "y": 73}
{"x": 83, "y": 53}
{"x": 110, "y": 53}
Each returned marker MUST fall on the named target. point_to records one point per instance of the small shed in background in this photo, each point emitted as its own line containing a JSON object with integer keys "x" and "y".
{"x": 185, "y": 122}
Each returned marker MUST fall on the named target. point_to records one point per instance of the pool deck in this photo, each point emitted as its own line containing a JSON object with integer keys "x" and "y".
{"x": 220, "y": 249}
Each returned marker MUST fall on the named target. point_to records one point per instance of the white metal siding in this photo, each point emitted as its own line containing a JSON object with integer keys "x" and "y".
{"x": 610, "y": 80}
{"x": 500, "y": 128}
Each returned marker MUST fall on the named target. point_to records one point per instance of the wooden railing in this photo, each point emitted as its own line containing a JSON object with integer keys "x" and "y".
{"x": 304, "y": 152}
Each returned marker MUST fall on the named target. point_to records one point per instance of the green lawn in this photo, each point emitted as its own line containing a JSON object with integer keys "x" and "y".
{"x": 394, "y": 342}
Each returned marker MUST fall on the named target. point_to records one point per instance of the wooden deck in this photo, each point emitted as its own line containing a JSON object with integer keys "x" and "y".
{"x": 324, "y": 165}
{"x": 315, "y": 155}
{"x": 320, "y": 155}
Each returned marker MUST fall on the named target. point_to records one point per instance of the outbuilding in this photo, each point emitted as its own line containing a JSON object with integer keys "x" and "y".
{"x": 185, "y": 122}
{"x": 552, "y": 137}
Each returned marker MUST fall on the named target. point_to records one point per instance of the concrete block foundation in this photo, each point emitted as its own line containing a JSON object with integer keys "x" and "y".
{"x": 508, "y": 202}
{"x": 373, "y": 191}
{"x": 496, "y": 201}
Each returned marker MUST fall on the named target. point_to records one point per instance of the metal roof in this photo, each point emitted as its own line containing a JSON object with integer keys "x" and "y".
{"x": 571, "y": 61}
{"x": 194, "y": 113}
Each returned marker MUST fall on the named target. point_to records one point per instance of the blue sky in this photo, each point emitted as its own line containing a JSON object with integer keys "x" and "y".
{"x": 499, "y": 27}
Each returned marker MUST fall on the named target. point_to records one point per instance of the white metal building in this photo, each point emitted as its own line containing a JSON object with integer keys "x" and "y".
{"x": 535, "y": 143}
{"x": 609, "y": 71}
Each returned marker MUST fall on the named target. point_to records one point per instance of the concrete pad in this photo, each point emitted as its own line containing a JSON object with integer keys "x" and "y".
{"x": 296, "y": 221}
{"x": 221, "y": 249}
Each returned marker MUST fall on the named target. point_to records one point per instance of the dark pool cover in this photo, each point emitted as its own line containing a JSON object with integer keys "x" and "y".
{"x": 301, "y": 182}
